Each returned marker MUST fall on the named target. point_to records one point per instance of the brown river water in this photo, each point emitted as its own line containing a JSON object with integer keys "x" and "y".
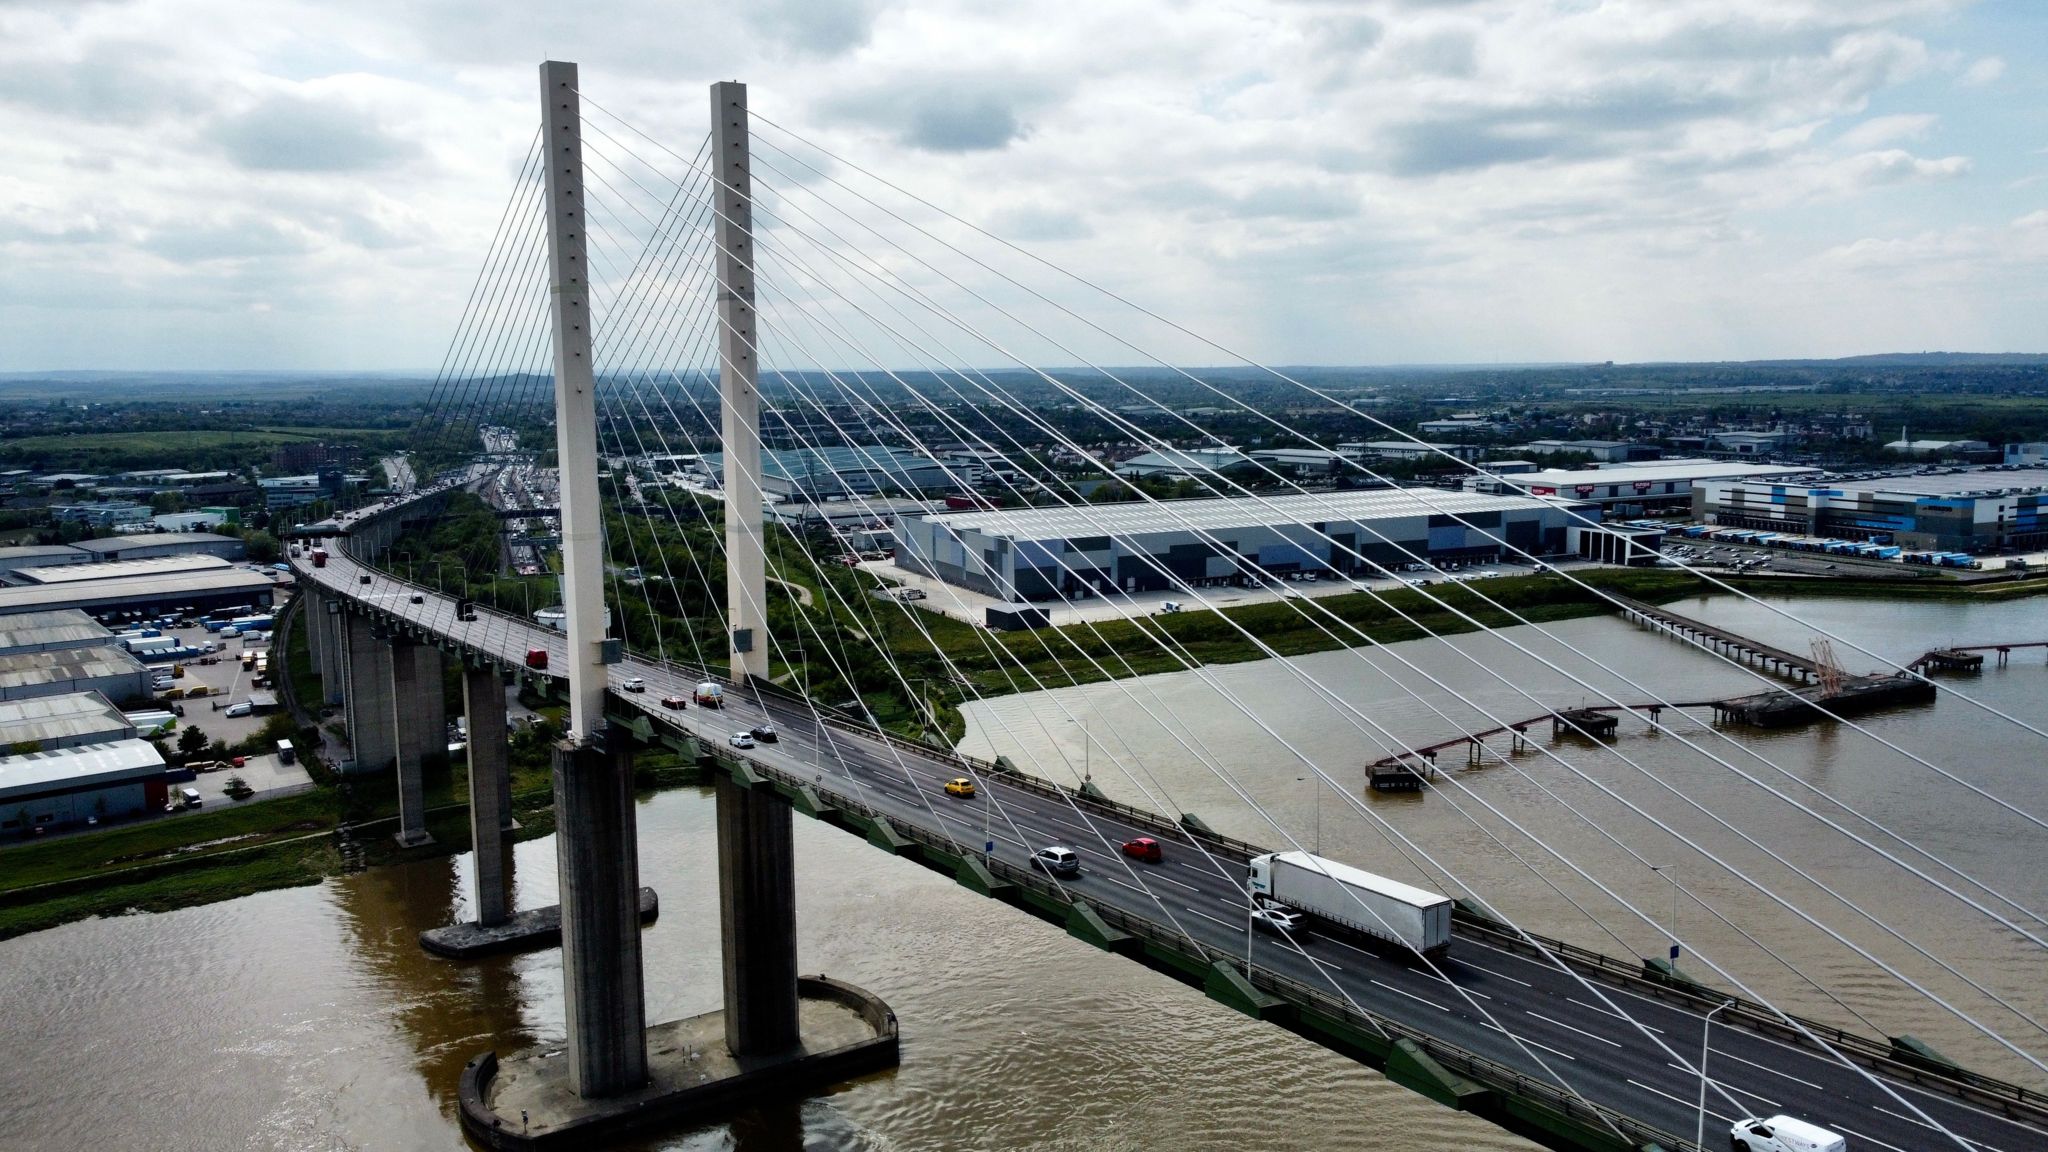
{"x": 310, "y": 1019}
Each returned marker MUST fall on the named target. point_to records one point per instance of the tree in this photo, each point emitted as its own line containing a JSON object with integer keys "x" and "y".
{"x": 262, "y": 546}
{"x": 191, "y": 741}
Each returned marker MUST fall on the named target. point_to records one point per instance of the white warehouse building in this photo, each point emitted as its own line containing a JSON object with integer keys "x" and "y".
{"x": 1048, "y": 553}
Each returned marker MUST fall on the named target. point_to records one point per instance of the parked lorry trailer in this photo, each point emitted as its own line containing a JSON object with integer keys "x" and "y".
{"x": 1354, "y": 898}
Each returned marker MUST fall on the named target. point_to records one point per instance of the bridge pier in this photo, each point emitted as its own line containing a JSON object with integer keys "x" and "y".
{"x": 757, "y": 911}
{"x": 416, "y": 716}
{"x": 490, "y": 784}
{"x": 324, "y": 624}
{"x": 595, "y": 853}
{"x": 371, "y": 733}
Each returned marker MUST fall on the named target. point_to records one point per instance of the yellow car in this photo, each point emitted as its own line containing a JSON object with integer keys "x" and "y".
{"x": 959, "y": 786}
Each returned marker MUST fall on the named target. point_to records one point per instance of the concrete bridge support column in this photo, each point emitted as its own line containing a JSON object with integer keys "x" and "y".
{"x": 413, "y": 665}
{"x": 757, "y": 910}
{"x": 370, "y": 730}
{"x": 600, "y": 886}
{"x": 325, "y": 621}
{"x": 483, "y": 706}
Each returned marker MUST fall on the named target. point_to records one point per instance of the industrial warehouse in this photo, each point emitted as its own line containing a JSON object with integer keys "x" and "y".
{"x": 1048, "y": 553}
{"x": 1975, "y": 511}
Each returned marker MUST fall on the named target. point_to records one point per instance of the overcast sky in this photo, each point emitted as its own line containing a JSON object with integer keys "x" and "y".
{"x": 225, "y": 184}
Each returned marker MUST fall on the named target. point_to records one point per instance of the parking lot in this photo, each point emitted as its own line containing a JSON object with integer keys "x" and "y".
{"x": 225, "y": 680}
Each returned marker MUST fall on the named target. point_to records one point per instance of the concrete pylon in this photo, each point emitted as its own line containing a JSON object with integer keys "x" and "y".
{"x": 757, "y": 912}
{"x": 746, "y": 563}
{"x": 599, "y": 871}
{"x": 372, "y": 733}
{"x": 483, "y": 709}
{"x": 413, "y": 665}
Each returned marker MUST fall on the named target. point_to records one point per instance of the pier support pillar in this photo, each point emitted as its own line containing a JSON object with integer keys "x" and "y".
{"x": 483, "y": 708}
{"x": 413, "y": 666}
{"x": 599, "y": 872}
{"x": 371, "y": 734}
{"x": 328, "y": 624}
{"x": 757, "y": 910}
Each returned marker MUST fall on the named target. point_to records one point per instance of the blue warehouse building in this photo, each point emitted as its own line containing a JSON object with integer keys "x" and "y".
{"x": 1051, "y": 553}
{"x": 1976, "y": 512}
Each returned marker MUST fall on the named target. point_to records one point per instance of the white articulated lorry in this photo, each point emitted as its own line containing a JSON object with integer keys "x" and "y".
{"x": 1354, "y": 898}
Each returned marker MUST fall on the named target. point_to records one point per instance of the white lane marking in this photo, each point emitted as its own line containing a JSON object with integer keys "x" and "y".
{"x": 1688, "y": 1103}
{"x": 1529, "y": 1042}
{"x": 1617, "y": 1015}
{"x": 1867, "y": 1139}
{"x": 1929, "y": 1127}
{"x": 1572, "y": 1028}
{"x": 1412, "y": 996}
{"x": 1206, "y": 916}
{"x": 1502, "y": 975}
{"x": 1767, "y": 1068}
{"x": 1771, "y": 1106}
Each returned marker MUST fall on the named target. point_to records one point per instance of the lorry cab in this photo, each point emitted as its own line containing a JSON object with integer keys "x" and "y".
{"x": 1783, "y": 1134}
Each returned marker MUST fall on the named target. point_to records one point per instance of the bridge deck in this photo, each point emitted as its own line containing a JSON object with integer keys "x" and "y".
{"x": 1516, "y": 1021}
{"x": 1683, "y": 622}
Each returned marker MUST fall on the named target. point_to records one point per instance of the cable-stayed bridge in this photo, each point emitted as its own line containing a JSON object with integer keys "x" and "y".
{"x": 658, "y": 283}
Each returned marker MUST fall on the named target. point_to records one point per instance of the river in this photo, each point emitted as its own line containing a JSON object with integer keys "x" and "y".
{"x": 310, "y": 1019}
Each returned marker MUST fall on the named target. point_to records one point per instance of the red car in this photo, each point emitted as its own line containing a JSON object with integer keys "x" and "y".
{"x": 1143, "y": 848}
{"x": 537, "y": 658}
{"x": 674, "y": 703}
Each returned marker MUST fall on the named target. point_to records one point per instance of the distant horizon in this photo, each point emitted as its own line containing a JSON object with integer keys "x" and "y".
{"x": 1388, "y": 366}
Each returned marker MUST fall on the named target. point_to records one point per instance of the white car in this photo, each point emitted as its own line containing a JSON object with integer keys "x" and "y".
{"x": 1783, "y": 1134}
{"x": 1279, "y": 921}
{"x": 636, "y": 684}
{"x": 741, "y": 740}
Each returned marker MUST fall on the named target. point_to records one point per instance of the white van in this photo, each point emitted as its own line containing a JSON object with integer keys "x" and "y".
{"x": 1783, "y": 1134}
{"x": 192, "y": 797}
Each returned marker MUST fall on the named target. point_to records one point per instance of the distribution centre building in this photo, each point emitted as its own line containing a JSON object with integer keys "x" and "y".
{"x": 1648, "y": 484}
{"x": 1032, "y": 554}
{"x": 68, "y": 785}
{"x": 1956, "y": 512}
{"x": 63, "y": 721}
{"x": 159, "y": 592}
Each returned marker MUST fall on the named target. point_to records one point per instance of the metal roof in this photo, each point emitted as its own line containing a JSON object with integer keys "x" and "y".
{"x": 153, "y": 539}
{"x": 1957, "y": 484}
{"x": 67, "y": 716}
{"x": 79, "y": 767}
{"x": 113, "y": 593}
{"x": 54, "y": 553}
{"x": 1562, "y": 478}
{"x": 123, "y": 569}
{"x": 64, "y": 628}
{"x": 1222, "y": 514}
{"x": 23, "y": 669}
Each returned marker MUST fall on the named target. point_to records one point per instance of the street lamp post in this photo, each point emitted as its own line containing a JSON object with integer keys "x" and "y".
{"x": 1706, "y": 1026}
{"x": 1671, "y": 875}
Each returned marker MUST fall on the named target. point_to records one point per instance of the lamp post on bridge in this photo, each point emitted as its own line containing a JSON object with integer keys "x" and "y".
{"x": 1699, "y": 1139}
{"x": 1670, "y": 872}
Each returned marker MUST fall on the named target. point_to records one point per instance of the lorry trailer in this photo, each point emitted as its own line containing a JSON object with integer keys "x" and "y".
{"x": 1354, "y": 898}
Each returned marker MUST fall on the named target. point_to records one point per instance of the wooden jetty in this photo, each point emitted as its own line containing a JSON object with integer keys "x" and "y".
{"x": 1788, "y": 664}
{"x": 1410, "y": 770}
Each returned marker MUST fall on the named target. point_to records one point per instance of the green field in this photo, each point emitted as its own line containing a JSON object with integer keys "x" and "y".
{"x": 198, "y": 450}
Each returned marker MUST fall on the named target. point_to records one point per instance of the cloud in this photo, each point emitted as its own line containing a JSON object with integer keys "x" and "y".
{"x": 950, "y": 113}
{"x": 286, "y": 132}
{"x": 1893, "y": 165}
{"x": 1982, "y": 72}
{"x": 1886, "y": 129}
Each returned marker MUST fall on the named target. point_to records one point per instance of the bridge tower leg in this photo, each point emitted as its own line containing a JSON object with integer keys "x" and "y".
{"x": 373, "y": 738}
{"x": 417, "y": 717}
{"x": 757, "y": 913}
{"x": 483, "y": 710}
{"x": 596, "y": 856}
{"x": 326, "y": 623}
{"x": 738, "y": 367}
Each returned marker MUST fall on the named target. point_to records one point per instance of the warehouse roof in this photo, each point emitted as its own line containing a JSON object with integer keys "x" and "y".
{"x": 122, "y": 569}
{"x": 33, "y": 554}
{"x": 66, "y": 768}
{"x": 1227, "y": 513}
{"x": 64, "y": 628}
{"x": 32, "y": 669}
{"x": 49, "y": 719}
{"x": 1562, "y": 478}
{"x": 106, "y": 544}
{"x": 114, "y": 593}
{"x": 1953, "y": 484}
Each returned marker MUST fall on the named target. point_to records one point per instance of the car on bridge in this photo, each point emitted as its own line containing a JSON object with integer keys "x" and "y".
{"x": 634, "y": 684}
{"x": 1057, "y": 861}
{"x": 741, "y": 740}
{"x": 765, "y": 733}
{"x": 537, "y": 659}
{"x": 674, "y": 703}
{"x": 1783, "y": 1134}
{"x": 363, "y": 579}
{"x": 959, "y": 786}
{"x": 1143, "y": 848}
{"x": 1279, "y": 921}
